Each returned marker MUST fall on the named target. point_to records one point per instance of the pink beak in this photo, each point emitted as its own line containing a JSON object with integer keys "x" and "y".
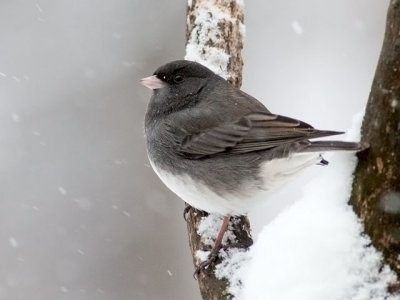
{"x": 152, "y": 82}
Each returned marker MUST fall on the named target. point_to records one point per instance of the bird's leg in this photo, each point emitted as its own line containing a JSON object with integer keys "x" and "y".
{"x": 217, "y": 246}
{"x": 323, "y": 161}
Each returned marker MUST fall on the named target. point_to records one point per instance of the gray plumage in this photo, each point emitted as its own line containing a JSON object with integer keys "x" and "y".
{"x": 212, "y": 138}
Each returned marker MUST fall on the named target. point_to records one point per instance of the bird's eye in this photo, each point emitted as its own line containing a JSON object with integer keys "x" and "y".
{"x": 178, "y": 78}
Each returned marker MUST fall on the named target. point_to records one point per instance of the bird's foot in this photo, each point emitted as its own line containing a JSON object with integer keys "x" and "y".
{"x": 217, "y": 246}
{"x": 186, "y": 210}
{"x": 212, "y": 257}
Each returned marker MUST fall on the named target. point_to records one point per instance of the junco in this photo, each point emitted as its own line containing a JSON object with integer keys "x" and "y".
{"x": 220, "y": 149}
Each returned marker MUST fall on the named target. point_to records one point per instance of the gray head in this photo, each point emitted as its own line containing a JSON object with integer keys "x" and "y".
{"x": 177, "y": 85}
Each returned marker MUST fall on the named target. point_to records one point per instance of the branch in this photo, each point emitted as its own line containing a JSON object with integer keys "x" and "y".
{"x": 214, "y": 35}
{"x": 214, "y": 39}
{"x": 376, "y": 187}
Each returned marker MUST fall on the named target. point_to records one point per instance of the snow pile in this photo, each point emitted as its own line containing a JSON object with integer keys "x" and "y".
{"x": 209, "y": 228}
{"x": 202, "y": 45}
{"x": 235, "y": 262}
{"x": 315, "y": 249}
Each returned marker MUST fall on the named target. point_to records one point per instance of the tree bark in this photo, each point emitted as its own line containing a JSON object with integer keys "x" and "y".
{"x": 215, "y": 38}
{"x": 376, "y": 186}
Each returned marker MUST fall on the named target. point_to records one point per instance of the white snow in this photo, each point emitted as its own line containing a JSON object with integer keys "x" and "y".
{"x": 39, "y": 8}
{"x": 234, "y": 265}
{"x": 209, "y": 228}
{"x": 240, "y": 3}
{"x": 234, "y": 260}
{"x": 298, "y": 29}
{"x": 3, "y": 74}
{"x": 13, "y": 242}
{"x": 390, "y": 202}
{"x": 62, "y": 191}
{"x": 394, "y": 103}
{"x": 15, "y": 117}
{"x": 198, "y": 48}
{"x": 126, "y": 213}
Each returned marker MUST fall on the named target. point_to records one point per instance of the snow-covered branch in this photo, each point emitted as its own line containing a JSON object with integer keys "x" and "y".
{"x": 215, "y": 39}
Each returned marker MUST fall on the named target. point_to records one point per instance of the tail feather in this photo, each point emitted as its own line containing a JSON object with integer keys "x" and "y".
{"x": 322, "y": 146}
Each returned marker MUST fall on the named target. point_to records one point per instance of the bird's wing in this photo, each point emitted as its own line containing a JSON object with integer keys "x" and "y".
{"x": 253, "y": 132}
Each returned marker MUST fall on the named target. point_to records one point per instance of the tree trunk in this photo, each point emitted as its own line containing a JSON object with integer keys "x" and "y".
{"x": 214, "y": 38}
{"x": 376, "y": 187}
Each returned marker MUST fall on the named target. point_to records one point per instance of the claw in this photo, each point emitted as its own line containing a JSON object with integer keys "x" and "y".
{"x": 185, "y": 211}
{"x": 205, "y": 264}
{"x": 323, "y": 161}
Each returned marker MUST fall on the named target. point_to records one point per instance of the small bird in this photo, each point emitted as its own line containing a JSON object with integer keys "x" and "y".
{"x": 220, "y": 149}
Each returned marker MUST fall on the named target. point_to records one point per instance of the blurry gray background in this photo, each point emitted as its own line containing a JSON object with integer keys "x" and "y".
{"x": 82, "y": 215}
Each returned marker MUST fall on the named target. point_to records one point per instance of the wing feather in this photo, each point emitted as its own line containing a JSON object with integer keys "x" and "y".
{"x": 253, "y": 132}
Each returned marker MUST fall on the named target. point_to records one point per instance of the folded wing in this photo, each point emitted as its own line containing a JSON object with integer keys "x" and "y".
{"x": 253, "y": 132}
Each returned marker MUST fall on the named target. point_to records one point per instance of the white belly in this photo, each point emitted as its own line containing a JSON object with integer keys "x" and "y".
{"x": 196, "y": 193}
{"x": 274, "y": 174}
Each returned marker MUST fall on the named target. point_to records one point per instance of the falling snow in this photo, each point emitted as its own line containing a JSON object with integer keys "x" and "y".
{"x": 62, "y": 190}
{"x": 39, "y": 8}
{"x": 390, "y": 202}
{"x": 15, "y": 117}
{"x": 394, "y": 103}
{"x": 298, "y": 29}
{"x": 13, "y": 242}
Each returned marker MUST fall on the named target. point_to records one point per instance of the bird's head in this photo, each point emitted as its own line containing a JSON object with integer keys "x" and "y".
{"x": 178, "y": 84}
